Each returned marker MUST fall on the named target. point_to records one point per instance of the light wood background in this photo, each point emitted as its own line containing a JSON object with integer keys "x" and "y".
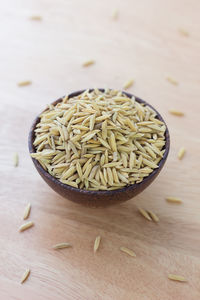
{"x": 144, "y": 44}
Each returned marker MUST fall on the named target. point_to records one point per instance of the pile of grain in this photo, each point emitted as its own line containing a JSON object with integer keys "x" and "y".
{"x": 99, "y": 140}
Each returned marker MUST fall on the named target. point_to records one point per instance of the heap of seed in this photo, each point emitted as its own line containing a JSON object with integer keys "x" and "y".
{"x": 99, "y": 140}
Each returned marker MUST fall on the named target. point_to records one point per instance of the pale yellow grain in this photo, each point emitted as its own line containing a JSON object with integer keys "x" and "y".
{"x": 97, "y": 243}
{"x": 16, "y": 159}
{"x": 128, "y": 251}
{"x": 183, "y": 32}
{"x": 88, "y": 63}
{"x": 131, "y": 125}
{"x": 155, "y": 149}
{"x": 128, "y": 84}
{"x": 113, "y": 142}
{"x": 153, "y": 216}
{"x": 26, "y": 226}
{"x": 149, "y": 163}
{"x": 132, "y": 160}
{"x": 181, "y": 153}
{"x": 36, "y": 18}
{"x": 115, "y": 14}
{"x": 81, "y": 127}
{"x": 68, "y": 182}
{"x": 145, "y": 214}
{"x": 115, "y": 176}
{"x": 86, "y": 164}
{"x": 104, "y": 129}
{"x": 92, "y": 122}
{"x": 102, "y": 118}
{"x": 69, "y": 173}
{"x": 122, "y": 178}
{"x": 87, "y": 171}
{"x": 172, "y": 80}
{"x": 25, "y": 276}
{"x": 112, "y": 164}
{"x": 110, "y": 176}
{"x": 174, "y": 200}
{"x": 115, "y": 156}
{"x": 176, "y": 112}
{"x": 105, "y": 175}
{"x": 102, "y": 178}
{"x": 62, "y": 246}
{"x": 104, "y": 143}
{"x": 177, "y": 277}
{"x": 24, "y": 83}
{"x": 124, "y": 160}
{"x": 150, "y": 151}
{"x": 27, "y": 211}
{"x": 88, "y": 136}
{"x": 139, "y": 146}
{"x": 93, "y": 172}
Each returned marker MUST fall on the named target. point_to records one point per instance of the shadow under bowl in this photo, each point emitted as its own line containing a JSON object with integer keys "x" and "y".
{"x": 98, "y": 198}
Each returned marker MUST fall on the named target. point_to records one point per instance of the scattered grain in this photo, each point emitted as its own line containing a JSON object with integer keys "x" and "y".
{"x": 24, "y": 83}
{"x": 145, "y": 214}
{"x": 128, "y": 84}
{"x": 173, "y": 200}
{"x": 25, "y": 275}
{"x": 97, "y": 243}
{"x": 36, "y": 18}
{"x": 26, "y": 226}
{"x": 88, "y": 63}
{"x": 16, "y": 159}
{"x": 183, "y": 32}
{"x": 181, "y": 153}
{"x": 176, "y": 112}
{"x": 177, "y": 278}
{"x": 115, "y": 14}
{"x": 128, "y": 251}
{"x": 27, "y": 211}
{"x": 62, "y": 246}
{"x": 153, "y": 216}
{"x": 172, "y": 81}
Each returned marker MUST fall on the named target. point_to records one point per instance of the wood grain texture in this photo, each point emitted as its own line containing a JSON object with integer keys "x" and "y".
{"x": 144, "y": 44}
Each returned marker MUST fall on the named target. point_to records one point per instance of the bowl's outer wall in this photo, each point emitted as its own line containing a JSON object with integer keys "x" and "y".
{"x": 97, "y": 198}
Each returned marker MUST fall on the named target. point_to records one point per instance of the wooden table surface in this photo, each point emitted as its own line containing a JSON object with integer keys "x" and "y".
{"x": 144, "y": 43}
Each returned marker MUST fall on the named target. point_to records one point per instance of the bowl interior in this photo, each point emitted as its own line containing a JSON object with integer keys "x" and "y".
{"x": 111, "y": 192}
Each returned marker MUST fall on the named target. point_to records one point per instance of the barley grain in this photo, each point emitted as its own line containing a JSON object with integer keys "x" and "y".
{"x": 176, "y": 112}
{"x": 153, "y": 216}
{"x": 24, "y": 83}
{"x": 97, "y": 243}
{"x": 181, "y": 153}
{"x": 62, "y": 246}
{"x": 174, "y": 200}
{"x": 26, "y": 226}
{"x": 183, "y": 32}
{"x": 88, "y": 63}
{"x": 128, "y": 84}
{"x": 27, "y": 211}
{"x": 172, "y": 81}
{"x": 36, "y": 18}
{"x": 177, "y": 278}
{"x": 145, "y": 214}
{"x": 128, "y": 251}
{"x": 115, "y": 14}
{"x": 25, "y": 276}
{"x": 16, "y": 159}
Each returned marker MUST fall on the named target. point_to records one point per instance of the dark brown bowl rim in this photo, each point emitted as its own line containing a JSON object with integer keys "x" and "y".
{"x": 106, "y": 192}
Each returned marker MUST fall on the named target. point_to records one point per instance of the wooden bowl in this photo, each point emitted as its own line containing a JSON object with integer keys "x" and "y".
{"x": 97, "y": 198}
